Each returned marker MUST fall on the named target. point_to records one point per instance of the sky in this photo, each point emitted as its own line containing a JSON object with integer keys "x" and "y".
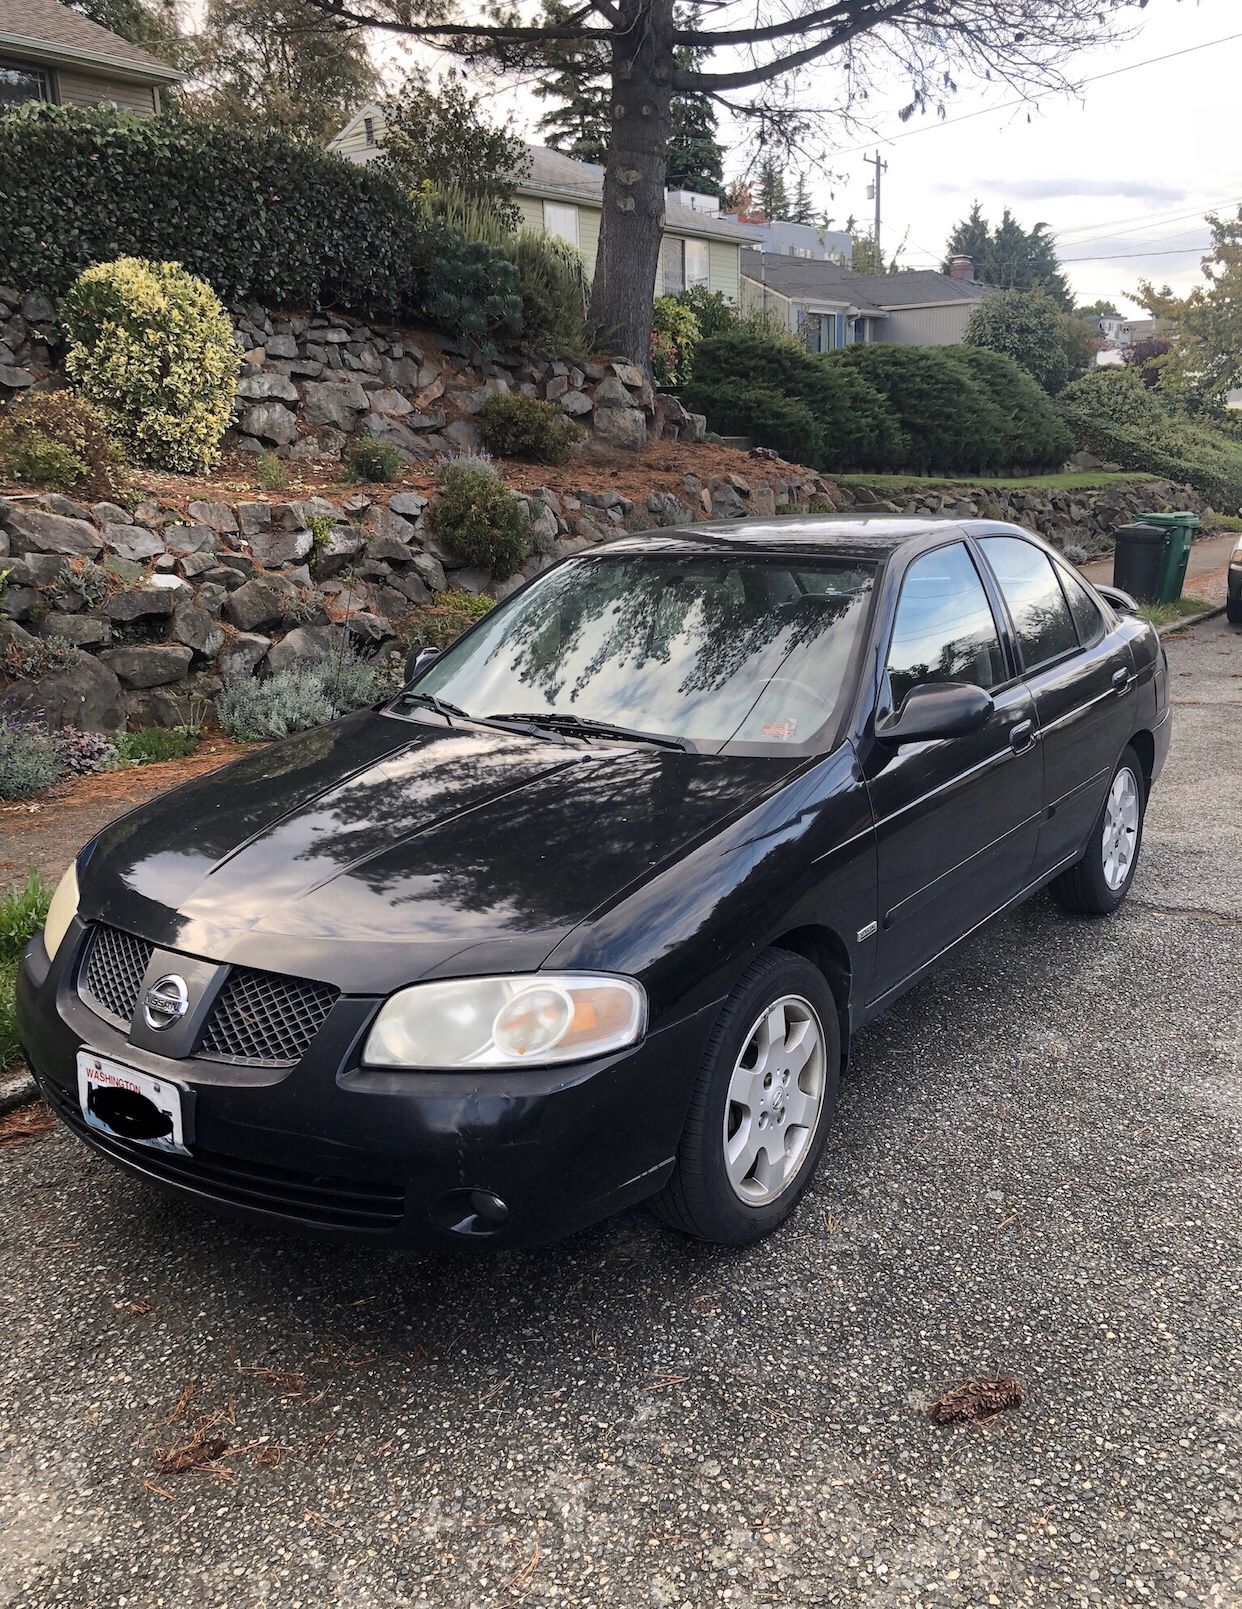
{"x": 1122, "y": 173}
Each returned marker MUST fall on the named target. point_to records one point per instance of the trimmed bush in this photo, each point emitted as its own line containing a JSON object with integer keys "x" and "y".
{"x": 29, "y": 761}
{"x": 770, "y": 418}
{"x": 858, "y": 428}
{"x": 371, "y": 460}
{"x": 1028, "y": 326}
{"x": 294, "y": 700}
{"x": 436, "y": 625}
{"x": 153, "y": 348}
{"x": 948, "y": 419}
{"x": 58, "y": 440}
{"x": 478, "y": 519}
{"x": 258, "y": 215}
{"x": 1111, "y": 412}
{"x": 1033, "y": 434}
{"x": 515, "y": 426}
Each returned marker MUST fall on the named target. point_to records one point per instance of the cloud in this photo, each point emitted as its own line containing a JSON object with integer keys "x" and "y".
{"x": 1066, "y": 188}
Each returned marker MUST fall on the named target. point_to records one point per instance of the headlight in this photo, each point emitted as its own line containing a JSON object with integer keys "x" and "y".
{"x": 1236, "y": 556}
{"x": 61, "y": 911}
{"x": 534, "y": 1019}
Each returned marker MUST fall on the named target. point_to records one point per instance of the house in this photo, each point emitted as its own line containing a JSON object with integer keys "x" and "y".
{"x": 799, "y": 239}
{"x": 563, "y": 197}
{"x": 830, "y": 306}
{"x": 50, "y": 53}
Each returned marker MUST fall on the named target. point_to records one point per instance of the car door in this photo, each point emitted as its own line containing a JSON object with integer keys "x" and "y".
{"x": 956, "y": 818}
{"x": 1082, "y": 680}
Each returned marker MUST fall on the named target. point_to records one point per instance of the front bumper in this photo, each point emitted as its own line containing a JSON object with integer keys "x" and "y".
{"x": 406, "y": 1159}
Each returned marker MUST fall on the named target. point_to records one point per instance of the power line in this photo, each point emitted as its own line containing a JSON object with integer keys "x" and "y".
{"x": 1143, "y": 219}
{"x": 1118, "y": 256}
{"x": 1023, "y": 100}
{"x": 1154, "y": 223}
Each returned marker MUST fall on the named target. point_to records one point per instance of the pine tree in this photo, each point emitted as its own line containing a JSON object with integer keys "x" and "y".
{"x": 695, "y": 159}
{"x": 1009, "y": 256}
{"x": 577, "y": 120}
{"x": 802, "y": 208}
{"x": 770, "y": 192}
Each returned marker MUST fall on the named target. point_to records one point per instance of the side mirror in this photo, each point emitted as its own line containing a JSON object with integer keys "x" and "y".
{"x": 1121, "y": 601}
{"x": 418, "y": 661}
{"x": 937, "y": 710}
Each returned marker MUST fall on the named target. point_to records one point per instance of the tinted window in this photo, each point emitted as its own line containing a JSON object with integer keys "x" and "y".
{"x": 1083, "y": 607}
{"x": 1033, "y": 593}
{"x": 944, "y": 630}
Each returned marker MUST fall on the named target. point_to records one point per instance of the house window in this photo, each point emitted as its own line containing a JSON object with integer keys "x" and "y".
{"x": 684, "y": 264}
{"x": 696, "y": 262}
{"x": 799, "y": 251}
{"x": 561, "y": 220}
{"x": 19, "y": 84}
{"x": 368, "y": 129}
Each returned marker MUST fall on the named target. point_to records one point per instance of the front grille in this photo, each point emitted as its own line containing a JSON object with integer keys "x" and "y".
{"x": 317, "y": 1198}
{"x": 265, "y": 1018}
{"x": 113, "y": 973}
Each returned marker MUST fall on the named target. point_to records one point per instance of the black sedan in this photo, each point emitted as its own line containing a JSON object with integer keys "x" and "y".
{"x": 589, "y": 913}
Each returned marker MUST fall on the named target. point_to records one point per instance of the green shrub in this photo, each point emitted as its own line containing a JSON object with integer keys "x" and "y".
{"x": 478, "y": 519}
{"x": 675, "y": 333}
{"x": 153, "y": 347}
{"x": 858, "y": 429}
{"x": 515, "y": 426}
{"x": 302, "y": 696}
{"x": 948, "y": 418}
{"x": 29, "y": 761}
{"x": 1033, "y": 434}
{"x": 770, "y": 418}
{"x": 155, "y": 743}
{"x": 371, "y": 460}
{"x": 1028, "y": 326}
{"x": 713, "y": 311}
{"x": 22, "y": 915}
{"x": 1112, "y": 413}
{"x": 437, "y": 624}
{"x": 271, "y": 473}
{"x": 58, "y": 440}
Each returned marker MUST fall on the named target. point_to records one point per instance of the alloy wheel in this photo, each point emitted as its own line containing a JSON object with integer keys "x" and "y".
{"x": 1121, "y": 823}
{"x": 776, "y": 1096}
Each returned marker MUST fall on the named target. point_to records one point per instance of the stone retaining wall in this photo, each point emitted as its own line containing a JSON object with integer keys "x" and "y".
{"x": 308, "y": 383}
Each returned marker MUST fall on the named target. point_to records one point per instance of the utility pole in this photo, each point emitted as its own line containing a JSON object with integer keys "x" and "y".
{"x": 873, "y": 191}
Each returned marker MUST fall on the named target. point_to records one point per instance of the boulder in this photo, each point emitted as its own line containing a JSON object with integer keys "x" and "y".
{"x": 464, "y": 436}
{"x": 410, "y": 504}
{"x": 270, "y": 421}
{"x": 191, "y": 539}
{"x": 275, "y": 548}
{"x": 380, "y": 521}
{"x": 621, "y": 427}
{"x": 307, "y": 642}
{"x": 14, "y": 378}
{"x": 253, "y": 517}
{"x": 86, "y": 694}
{"x": 217, "y": 516}
{"x": 133, "y": 542}
{"x": 575, "y": 403}
{"x": 386, "y": 400}
{"x": 267, "y": 387}
{"x": 335, "y": 553}
{"x": 139, "y": 603}
{"x": 149, "y": 664}
{"x": 36, "y": 309}
{"x": 327, "y": 404}
{"x": 195, "y": 628}
{"x": 610, "y": 393}
{"x": 629, "y": 374}
{"x": 243, "y": 655}
{"x": 32, "y": 532}
{"x": 83, "y": 631}
{"x": 281, "y": 346}
{"x": 255, "y": 603}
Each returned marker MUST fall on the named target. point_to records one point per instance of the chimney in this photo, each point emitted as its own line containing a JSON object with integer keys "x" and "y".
{"x": 962, "y": 268}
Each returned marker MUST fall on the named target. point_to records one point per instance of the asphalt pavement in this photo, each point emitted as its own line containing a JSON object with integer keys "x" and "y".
{"x": 1034, "y": 1171}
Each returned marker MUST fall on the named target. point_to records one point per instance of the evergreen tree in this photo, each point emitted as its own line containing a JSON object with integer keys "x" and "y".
{"x": 281, "y": 64}
{"x": 150, "y": 24}
{"x": 577, "y": 86}
{"x": 802, "y": 208}
{"x": 770, "y": 192}
{"x": 1009, "y": 256}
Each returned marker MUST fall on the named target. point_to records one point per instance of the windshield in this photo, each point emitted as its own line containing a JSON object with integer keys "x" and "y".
{"x": 714, "y": 649}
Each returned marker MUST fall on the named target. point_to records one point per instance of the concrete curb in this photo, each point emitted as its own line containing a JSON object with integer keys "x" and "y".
{"x": 1190, "y": 620}
{"x": 16, "y": 1091}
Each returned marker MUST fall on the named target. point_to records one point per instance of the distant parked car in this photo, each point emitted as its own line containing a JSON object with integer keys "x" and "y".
{"x": 589, "y": 913}
{"x": 1233, "y": 602}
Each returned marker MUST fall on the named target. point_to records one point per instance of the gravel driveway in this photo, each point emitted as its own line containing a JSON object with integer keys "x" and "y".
{"x": 1034, "y": 1171}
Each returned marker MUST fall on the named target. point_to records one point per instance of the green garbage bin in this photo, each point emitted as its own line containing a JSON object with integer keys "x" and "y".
{"x": 1180, "y": 530}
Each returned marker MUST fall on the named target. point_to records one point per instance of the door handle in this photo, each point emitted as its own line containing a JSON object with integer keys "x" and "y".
{"x": 1021, "y": 736}
{"x": 1121, "y": 680}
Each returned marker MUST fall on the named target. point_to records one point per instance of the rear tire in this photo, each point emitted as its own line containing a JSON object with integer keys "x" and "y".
{"x": 761, "y": 1108}
{"x": 1233, "y": 611}
{"x": 1097, "y": 884}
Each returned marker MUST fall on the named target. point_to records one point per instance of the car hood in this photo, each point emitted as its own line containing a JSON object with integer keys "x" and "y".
{"x": 379, "y": 850}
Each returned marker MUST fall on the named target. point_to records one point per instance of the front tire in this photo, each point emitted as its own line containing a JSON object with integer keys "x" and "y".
{"x": 1233, "y": 610}
{"x": 762, "y": 1105}
{"x": 1098, "y": 883}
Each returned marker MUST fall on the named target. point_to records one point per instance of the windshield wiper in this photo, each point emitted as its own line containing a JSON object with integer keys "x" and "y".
{"x": 439, "y": 705}
{"x": 553, "y": 720}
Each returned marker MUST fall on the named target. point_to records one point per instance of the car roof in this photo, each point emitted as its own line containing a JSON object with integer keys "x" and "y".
{"x": 871, "y": 536}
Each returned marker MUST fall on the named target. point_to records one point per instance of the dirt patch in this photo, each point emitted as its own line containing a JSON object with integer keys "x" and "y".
{"x": 47, "y": 832}
{"x": 25, "y": 1124}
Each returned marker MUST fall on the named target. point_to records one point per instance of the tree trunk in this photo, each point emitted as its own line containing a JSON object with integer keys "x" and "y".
{"x": 629, "y": 241}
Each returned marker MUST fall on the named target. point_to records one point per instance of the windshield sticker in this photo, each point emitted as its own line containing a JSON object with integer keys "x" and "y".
{"x": 781, "y": 729}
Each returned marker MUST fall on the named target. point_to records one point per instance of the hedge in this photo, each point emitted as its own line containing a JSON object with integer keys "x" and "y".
{"x": 770, "y": 418}
{"x": 1112, "y": 413}
{"x": 1033, "y": 435}
{"x": 258, "y": 215}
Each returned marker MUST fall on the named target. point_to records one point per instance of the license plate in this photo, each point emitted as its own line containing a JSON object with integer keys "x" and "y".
{"x": 130, "y": 1105}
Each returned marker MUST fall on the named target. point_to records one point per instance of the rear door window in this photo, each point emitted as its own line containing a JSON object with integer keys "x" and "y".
{"x": 1083, "y": 607}
{"x": 1040, "y": 613}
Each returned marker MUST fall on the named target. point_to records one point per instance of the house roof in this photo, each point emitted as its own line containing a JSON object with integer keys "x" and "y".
{"x": 805, "y": 280}
{"x": 552, "y": 173}
{"x": 46, "y": 31}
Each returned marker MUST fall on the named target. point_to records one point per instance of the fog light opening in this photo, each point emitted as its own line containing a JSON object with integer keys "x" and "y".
{"x": 472, "y": 1213}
